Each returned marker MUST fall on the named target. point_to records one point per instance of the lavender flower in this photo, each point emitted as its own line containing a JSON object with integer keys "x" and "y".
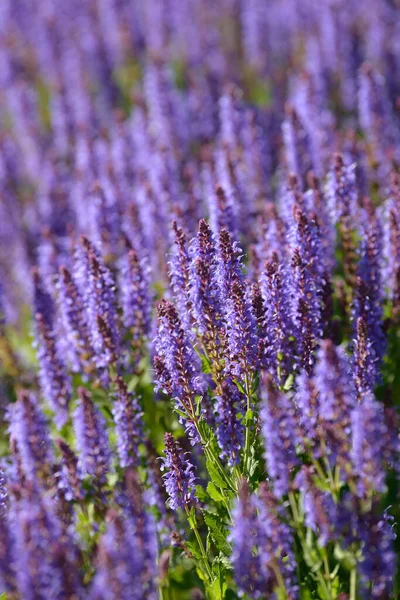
{"x": 245, "y": 535}
{"x": 369, "y": 439}
{"x": 135, "y": 296}
{"x": 320, "y": 511}
{"x": 45, "y": 557}
{"x": 280, "y": 436}
{"x": 229, "y": 403}
{"x": 262, "y": 545}
{"x": 179, "y": 479}
{"x": 73, "y": 321}
{"x": 365, "y": 360}
{"x": 239, "y": 319}
{"x": 120, "y": 563}
{"x": 276, "y": 541}
{"x": 306, "y": 399}
{"x": 279, "y": 324}
{"x": 307, "y": 286}
{"x": 337, "y": 398}
{"x": 91, "y": 439}
{"x": 179, "y": 276}
{"x": 176, "y": 365}
{"x": 368, "y": 295}
{"x": 205, "y": 304}
{"x": 28, "y": 431}
{"x": 98, "y": 290}
{"x": 7, "y": 564}
{"x": 55, "y": 384}
{"x": 69, "y": 475}
{"x": 128, "y": 424}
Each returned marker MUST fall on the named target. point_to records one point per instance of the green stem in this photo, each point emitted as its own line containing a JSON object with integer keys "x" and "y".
{"x": 353, "y": 583}
{"x": 193, "y": 526}
{"x": 325, "y": 585}
{"x": 248, "y": 432}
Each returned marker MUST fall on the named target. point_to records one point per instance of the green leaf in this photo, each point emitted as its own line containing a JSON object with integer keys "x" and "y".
{"x": 215, "y": 475}
{"x": 201, "y": 494}
{"x": 214, "y": 493}
{"x": 193, "y": 548}
{"x": 249, "y": 417}
{"x": 216, "y": 592}
{"x": 218, "y": 532}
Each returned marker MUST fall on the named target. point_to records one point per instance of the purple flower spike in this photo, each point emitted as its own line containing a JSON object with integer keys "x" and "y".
{"x": 91, "y": 438}
{"x": 128, "y": 424}
{"x": 280, "y": 436}
{"x": 245, "y": 535}
{"x": 135, "y": 296}
{"x": 54, "y": 382}
{"x": 337, "y": 397}
{"x": 8, "y": 580}
{"x": 369, "y": 439}
{"x": 320, "y": 512}
{"x": 46, "y": 558}
{"x": 205, "y": 303}
{"x": 240, "y": 321}
{"x": 257, "y": 525}
{"x": 179, "y": 276}
{"x": 69, "y": 476}
{"x": 120, "y": 563}
{"x": 29, "y": 433}
{"x": 176, "y": 364}
{"x": 180, "y": 479}
{"x": 279, "y": 325}
{"x": 98, "y": 289}
{"x": 230, "y": 431}
{"x": 75, "y": 329}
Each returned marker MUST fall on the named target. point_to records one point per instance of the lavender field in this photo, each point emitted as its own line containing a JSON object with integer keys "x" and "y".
{"x": 199, "y": 299}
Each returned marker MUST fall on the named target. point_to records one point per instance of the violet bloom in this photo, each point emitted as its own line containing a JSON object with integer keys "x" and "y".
{"x": 205, "y": 302}
{"x": 135, "y": 296}
{"x": 54, "y": 382}
{"x": 262, "y": 544}
{"x": 276, "y": 542}
{"x": 29, "y": 433}
{"x": 368, "y": 293}
{"x": 46, "y": 559}
{"x": 239, "y": 319}
{"x": 307, "y": 270}
{"x": 369, "y": 440}
{"x": 337, "y": 398}
{"x": 120, "y": 563}
{"x": 91, "y": 438}
{"x": 245, "y": 536}
{"x": 306, "y": 399}
{"x": 69, "y": 474}
{"x": 73, "y": 320}
{"x": 229, "y": 403}
{"x": 297, "y": 144}
{"x": 372, "y": 532}
{"x": 8, "y": 582}
{"x": 279, "y": 325}
{"x": 128, "y": 424}
{"x": 280, "y": 434}
{"x": 365, "y": 360}
{"x": 318, "y": 506}
{"x": 179, "y": 276}
{"x": 98, "y": 289}
{"x": 342, "y": 197}
{"x": 177, "y": 366}
{"x": 179, "y": 480}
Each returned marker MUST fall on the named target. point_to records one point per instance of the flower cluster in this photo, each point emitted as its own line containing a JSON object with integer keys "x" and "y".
{"x": 200, "y": 260}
